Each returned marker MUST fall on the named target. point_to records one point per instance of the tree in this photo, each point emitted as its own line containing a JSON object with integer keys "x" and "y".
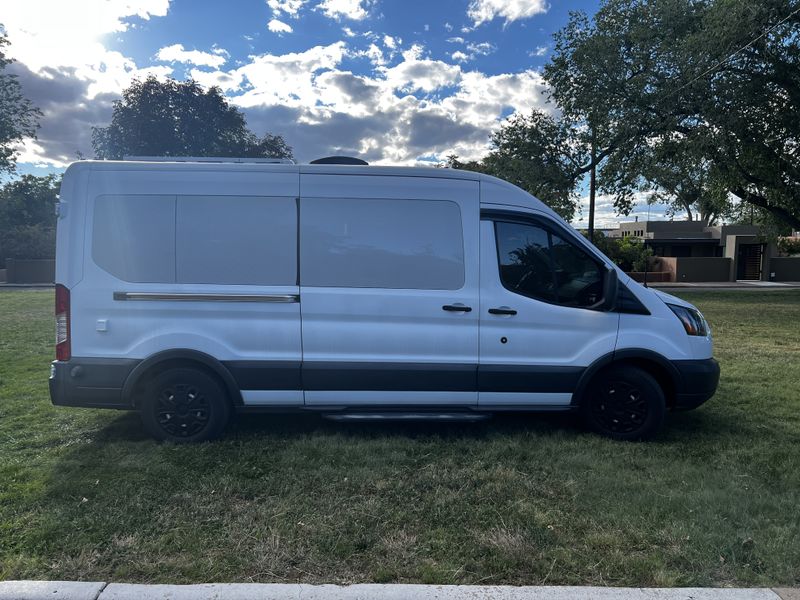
{"x": 27, "y": 217}
{"x": 19, "y": 119}
{"x": 536, "y": 153}
{"x": 173, "y": 118}
{"x": 716, "y": 79}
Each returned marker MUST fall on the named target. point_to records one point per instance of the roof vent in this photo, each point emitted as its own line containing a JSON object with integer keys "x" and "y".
{"x": 339, "y": 160}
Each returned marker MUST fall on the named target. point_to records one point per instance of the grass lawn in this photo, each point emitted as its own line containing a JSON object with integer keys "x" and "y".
{"x": 714, "y": 500}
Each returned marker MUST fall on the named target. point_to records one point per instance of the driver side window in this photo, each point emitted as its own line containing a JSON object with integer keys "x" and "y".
{"x": 537, "y": 263}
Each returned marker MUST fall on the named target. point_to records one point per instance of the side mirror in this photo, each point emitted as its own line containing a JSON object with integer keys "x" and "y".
{"x": 610, "y": 290}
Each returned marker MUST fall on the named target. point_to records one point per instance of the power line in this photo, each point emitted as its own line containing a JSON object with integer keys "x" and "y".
{"x": 730, "y": 56}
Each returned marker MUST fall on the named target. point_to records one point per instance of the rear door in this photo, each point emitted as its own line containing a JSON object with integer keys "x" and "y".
{"x": 537, "y": 332}
{"x": 389, "y": 288}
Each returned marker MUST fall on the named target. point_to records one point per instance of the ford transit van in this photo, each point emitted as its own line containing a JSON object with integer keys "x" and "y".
{"x": 190, "y": 290}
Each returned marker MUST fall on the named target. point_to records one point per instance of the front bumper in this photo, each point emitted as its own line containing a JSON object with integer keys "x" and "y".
{"x": 697, "y": 382}
{"x": 90, "y": 382}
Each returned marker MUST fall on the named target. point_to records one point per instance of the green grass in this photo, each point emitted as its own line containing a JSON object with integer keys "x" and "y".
{"x": 714, "y": 500}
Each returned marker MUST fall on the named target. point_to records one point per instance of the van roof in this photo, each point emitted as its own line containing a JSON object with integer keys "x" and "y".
{"x": 166, "y": 165}
{"x": 433, "y": 172}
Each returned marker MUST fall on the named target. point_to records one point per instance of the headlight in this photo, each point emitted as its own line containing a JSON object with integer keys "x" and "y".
{"x": 693, "y": 321}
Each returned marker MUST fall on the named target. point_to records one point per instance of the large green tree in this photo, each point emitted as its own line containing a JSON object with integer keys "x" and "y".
{"x": 715, "y": 80}
{"x": 19, "y": 119}
{"x": 536, "y": 153}
{"x": 173, "y": 118}
{"x": 27, "y": 217}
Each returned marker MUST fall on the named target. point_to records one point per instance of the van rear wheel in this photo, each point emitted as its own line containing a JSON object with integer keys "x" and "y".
{"x": 184, "y": 405}
{"x": 624, "y": 403}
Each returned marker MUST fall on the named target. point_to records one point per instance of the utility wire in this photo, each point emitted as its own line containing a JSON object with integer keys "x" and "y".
{"x": 730, "y": 56}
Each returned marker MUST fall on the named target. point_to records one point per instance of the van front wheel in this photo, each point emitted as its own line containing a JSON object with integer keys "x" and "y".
{"x": 184, "y": 405}
{"x": 624, "y": 403}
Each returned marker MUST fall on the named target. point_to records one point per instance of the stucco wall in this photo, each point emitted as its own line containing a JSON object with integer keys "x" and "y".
{"x": 693, "y": 269}
{"x": 785, "y": 268}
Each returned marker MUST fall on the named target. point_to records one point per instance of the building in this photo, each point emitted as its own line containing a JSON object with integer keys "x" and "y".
{"x": 693, "y": 251}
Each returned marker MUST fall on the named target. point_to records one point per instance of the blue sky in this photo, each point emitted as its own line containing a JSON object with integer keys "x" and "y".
{"x": 394, "y": 82}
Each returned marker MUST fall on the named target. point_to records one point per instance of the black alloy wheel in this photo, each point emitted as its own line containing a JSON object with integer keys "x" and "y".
{"x": 624, "y": 403}
{"x": 185, "y": 405}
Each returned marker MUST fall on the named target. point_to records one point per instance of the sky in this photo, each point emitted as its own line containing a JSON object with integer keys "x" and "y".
{"x": 401, "y": 82}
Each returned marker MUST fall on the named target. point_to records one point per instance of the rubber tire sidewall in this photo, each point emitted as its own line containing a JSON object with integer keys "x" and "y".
{"x": 646, "y": 383}
{"x": 218, "y": 404}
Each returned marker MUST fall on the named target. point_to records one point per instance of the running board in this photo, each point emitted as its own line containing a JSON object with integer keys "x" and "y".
{"x": 408, "y": 416}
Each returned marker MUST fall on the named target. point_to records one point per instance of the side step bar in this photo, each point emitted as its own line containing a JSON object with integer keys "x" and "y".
{"x": 463, "y": 417}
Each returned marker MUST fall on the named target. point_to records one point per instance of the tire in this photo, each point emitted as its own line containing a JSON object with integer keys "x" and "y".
{"x": 184, "y": 405}
{"x": 624, "y": 403}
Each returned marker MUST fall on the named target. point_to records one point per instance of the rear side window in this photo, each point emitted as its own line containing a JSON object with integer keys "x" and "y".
{"x": 133, "y": 237}
{"x": 236, "y": 240}
{"x": 540, "y": 264}
{"x": 386, "y": 243}
{"x": 233, "y": 240}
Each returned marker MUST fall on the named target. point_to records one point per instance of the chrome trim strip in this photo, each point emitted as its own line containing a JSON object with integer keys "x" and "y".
{"x": 192, "y": 297}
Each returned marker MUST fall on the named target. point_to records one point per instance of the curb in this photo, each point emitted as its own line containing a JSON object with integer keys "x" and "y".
{"x": 73, "y": 590}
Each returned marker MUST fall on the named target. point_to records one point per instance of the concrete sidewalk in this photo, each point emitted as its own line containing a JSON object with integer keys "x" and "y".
{"x": 71, "y": 590}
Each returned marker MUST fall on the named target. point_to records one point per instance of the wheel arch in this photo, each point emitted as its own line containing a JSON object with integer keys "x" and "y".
{"x": 167, "y": 359}
{"x": 659, "y": 367}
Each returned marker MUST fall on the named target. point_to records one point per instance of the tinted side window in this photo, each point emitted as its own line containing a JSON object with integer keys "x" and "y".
{"x": 525, "y": 262}
{"x": 133, "y": 237}
{"x": 537, "y": 263}
{"x": 236, "y": 240}
{"x": 579, "y": 278}
{"x": 371, "y": 243}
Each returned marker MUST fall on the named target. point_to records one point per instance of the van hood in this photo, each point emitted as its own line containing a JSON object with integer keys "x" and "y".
{"x": 670, "y": 299}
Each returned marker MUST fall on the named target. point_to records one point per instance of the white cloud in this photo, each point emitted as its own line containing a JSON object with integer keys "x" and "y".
{"x": 394, "y": 116}
{"x": 539, "y": 51}
{"x": 389, "y": 42}
{"x": 47, "y": 34}
{"x": 473, "y": 49}
{"x": 348, "y": 9}
{"x": 227, "y": 82}
{"x": 276, "y": 26}
{"x": 289, "y": 7}
{"x": 287, "y": 79}
{"x": 177, "y": 53}
{"x": 416, "y": 73}
{"x": 483, "y": 11}
{"x": 374, "y": 54}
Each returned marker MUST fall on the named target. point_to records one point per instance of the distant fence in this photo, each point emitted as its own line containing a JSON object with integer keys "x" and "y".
{"x": 694, "y": 269}
{"x": 652, "y": 276}
{"x": 30, "y": 270}
{"x": 785, "y": 268}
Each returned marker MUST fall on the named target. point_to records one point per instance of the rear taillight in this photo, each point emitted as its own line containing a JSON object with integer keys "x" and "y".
{"x": 63, "y": 351}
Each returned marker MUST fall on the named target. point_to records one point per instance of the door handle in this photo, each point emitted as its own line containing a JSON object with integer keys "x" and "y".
{"x": 502, "y": 311}
{"x": 457, "y": 308}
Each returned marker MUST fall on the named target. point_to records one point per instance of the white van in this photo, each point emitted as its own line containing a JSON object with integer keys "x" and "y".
{"x": 190, "y": 290}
